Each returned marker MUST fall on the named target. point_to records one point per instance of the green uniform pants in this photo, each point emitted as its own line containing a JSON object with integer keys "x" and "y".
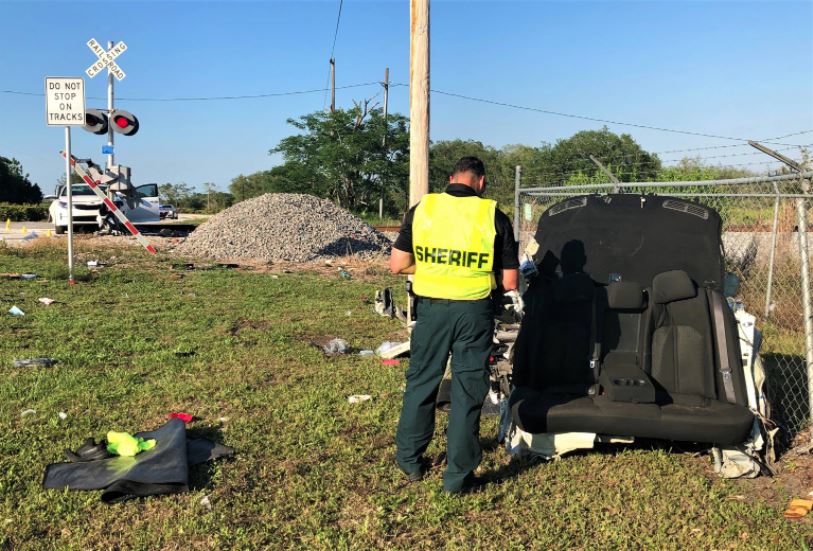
{"x": 466, "y": 328}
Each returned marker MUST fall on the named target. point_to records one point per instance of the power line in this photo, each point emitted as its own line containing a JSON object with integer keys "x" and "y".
{"x": 336, "y": 32}
{"x": 211, "y": 98}
{"x": 582, "y": 117}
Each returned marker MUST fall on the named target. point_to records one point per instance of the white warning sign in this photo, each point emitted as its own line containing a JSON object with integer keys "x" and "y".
{"x": 65, "y": 101}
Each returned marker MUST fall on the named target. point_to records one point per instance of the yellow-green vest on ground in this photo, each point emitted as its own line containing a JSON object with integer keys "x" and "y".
{"x": 453, "y": 244}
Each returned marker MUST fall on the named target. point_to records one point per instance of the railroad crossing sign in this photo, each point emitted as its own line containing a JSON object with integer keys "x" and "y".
{"x": 106, "y": 59}
{"x": 64, "y": 101}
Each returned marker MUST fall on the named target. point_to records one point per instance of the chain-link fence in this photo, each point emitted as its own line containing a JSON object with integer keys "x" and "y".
{"x": 761, "y": 217}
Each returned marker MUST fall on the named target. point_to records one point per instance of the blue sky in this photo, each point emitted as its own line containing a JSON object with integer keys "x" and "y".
{"x": 739, "y": 69}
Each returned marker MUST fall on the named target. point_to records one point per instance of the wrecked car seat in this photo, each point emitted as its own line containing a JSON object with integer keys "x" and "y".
{"x": 652, "y": 351}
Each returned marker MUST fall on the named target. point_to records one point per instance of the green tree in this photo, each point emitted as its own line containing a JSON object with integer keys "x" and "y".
{"x": 174, "y": 194}
{"x": 15, "y": 186}
{"x": 340, "y": 156}
{"x": 569, "y": 159}
{"x": 444, "y": 155}
{"x": 694, "y": 169}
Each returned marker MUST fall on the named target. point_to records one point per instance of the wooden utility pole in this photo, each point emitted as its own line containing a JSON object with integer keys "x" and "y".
{"x": 332, "y": 85}
{"x": 418, "y": 100}
{"x": 384, "y": 138}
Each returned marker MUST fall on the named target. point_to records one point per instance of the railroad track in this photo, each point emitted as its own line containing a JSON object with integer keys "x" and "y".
{"x": 384, "y": 229}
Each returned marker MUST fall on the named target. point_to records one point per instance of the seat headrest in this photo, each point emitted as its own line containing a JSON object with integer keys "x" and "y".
{"x": 671, "y": 286}
{"x": 625, "y": 295}
{"x": 572, "y": 288}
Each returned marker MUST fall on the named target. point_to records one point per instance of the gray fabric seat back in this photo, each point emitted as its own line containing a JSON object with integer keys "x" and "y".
{"x": 681, "y": 360}
{"x": 620, "y": 333}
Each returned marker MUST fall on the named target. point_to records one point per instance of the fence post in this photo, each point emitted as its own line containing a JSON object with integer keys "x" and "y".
{"x": 801, "y": 211}
{"x": 517, "y": 179}
{"x": 773, "y": 252}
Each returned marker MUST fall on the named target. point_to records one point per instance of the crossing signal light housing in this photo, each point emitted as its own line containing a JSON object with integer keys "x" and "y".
{"x": 95, "y": 121}
{"x": 124, "y": 122}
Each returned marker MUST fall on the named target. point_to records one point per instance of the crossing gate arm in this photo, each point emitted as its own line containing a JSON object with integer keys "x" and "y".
{"x": 109, "y": 204}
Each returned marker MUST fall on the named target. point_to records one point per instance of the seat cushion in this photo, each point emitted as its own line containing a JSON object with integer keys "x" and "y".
{"x": 714, "y": 423}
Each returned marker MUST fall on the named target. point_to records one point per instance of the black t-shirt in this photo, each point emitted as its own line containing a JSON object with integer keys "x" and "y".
{"x": 506, "y": 250}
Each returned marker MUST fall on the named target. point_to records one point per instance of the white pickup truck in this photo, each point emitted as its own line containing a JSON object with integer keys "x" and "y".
{"x": 89, "y": 210}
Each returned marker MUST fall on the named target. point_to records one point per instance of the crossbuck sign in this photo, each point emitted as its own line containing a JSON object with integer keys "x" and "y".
{"x": 106, "y": 59}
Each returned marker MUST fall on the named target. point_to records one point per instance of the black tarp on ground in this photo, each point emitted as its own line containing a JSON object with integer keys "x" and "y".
{"x": 161, "y": 470}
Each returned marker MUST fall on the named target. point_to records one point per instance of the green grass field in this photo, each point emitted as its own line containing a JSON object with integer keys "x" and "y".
{"x": 138, "y": 340}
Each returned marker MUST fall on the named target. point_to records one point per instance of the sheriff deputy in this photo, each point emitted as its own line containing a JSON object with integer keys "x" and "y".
{"x": 456, "y": 244}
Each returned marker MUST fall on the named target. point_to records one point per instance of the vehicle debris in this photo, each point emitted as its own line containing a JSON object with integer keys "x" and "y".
{"x": 35, "y": 362}
{"x": 358, "y": 398}
{"x": 185, "y": 417}
{"x": 798, "y": 508}
{"x": 46, "y": 301}
{"x": 205, "y": 503}
{"x": 27, "y": 412}
{"x": 336, "y": 346}
{"x": 62, "y": 415}
{"x": 389, "y": 349}
{"x": 366, "y": 353}
{"x": 344, "y": 274}
{"x": 15, "y": 311}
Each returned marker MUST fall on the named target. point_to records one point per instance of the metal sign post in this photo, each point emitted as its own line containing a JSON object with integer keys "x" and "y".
{"x": 107, "y": 60}
{"x": 65, "y": 106}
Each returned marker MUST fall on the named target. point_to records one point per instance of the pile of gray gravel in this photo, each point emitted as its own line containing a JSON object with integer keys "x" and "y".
{"x": 288, "y": 227}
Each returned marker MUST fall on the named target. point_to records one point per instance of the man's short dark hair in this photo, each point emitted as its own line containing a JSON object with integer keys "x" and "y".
{"x": 470, "y": 164}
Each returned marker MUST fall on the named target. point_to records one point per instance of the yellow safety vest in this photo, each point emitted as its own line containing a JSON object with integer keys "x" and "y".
{"x": 453, "y": 244}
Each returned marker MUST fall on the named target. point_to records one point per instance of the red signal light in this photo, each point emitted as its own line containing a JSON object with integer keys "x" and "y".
{"x": 124, "y": 122}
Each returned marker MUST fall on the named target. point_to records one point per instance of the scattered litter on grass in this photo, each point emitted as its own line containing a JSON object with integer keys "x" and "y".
{"x": 62, "y": 415}
{"x": 28, "y": 276}
{"x": 14, "y": 311}
{"x": 10, "y": 275}
{"x": 366, "y": 353}
{"x": 390, "y": 361}
{"x": 35, "y": 362}
{"x": 383, "y": 305}
{"x": 93, "y": 263}
{"x": 206, "y": 503}
{"x": 349, "y": 313}
{"x": 275, "y": 276}
{"x": 798, "y": 508}
{"x": 344, "y": 274}
{"x": 384, "y": 346}
{"x": 357, "y": 398}
{"x": 184, "y": 353}
{"x": 393, "y": 350}
{"x": 46, "y": 301}
{"x": 222, "y": 420}
{"x": 336, "y": 346}
{"x": 27, "y": 412}
{"x": 185, "y": 417}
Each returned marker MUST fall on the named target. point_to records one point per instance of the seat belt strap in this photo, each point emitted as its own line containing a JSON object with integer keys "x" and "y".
{"x": 722, "y": 346}
{"x": 595, "y": 340}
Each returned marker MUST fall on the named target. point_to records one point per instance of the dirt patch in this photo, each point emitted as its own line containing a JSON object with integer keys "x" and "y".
{"x": 242, "y": 324}
{"x": 793, "y": 478}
